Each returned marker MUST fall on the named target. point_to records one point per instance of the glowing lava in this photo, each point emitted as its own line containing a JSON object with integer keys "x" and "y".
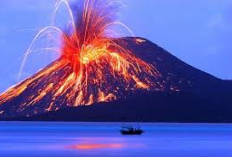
{"x": 95, "y": 67}
{"x": 93, "y": 55}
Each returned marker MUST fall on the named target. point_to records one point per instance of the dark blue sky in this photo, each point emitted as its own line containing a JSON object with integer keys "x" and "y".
{"x": 197, "y": 31}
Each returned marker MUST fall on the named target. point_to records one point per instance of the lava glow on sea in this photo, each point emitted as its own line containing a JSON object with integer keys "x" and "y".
{"x": 96, "y": 67}
{"x": 94, "y": 146}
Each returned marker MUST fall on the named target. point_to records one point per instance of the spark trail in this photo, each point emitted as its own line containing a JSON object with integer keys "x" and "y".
{"x": 95, "y": 67}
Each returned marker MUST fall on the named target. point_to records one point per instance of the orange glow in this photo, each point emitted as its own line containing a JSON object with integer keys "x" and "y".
{"x": 95, "y": 146}
{"x": 140, "y": 41}
{"x": 96, "y": 68}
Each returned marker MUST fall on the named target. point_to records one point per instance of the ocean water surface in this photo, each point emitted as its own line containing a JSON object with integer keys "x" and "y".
{"x": 48, "y": 139}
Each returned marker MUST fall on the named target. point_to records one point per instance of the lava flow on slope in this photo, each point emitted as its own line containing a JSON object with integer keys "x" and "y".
{"x": 94, "y": 66}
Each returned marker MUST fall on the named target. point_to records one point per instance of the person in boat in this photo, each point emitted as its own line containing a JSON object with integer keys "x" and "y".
{"x": 131, "y": 130}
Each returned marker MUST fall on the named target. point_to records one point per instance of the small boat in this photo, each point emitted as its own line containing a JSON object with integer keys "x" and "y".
{"x": 129, "y": 130}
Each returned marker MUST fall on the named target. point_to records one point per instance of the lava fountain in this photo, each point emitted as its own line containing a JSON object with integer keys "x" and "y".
{"x": 95, "y": 67}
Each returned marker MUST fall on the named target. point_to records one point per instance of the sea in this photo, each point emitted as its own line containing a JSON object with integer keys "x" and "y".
{"x": 66, "y": 139}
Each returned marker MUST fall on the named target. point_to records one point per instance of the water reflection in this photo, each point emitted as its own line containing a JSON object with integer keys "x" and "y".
{"x": 20, "y": 139}
{"x": 119, "y": 142}
{"x": 95, "y": 146}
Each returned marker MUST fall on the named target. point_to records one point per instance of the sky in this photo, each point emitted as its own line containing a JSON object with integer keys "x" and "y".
{"x": 198, "y": 32}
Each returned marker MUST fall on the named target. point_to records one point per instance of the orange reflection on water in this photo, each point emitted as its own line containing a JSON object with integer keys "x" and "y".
{"x": 95, "y": 146}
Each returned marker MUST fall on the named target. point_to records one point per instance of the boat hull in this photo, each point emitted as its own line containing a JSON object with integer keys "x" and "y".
{"x": 139, "y": 132}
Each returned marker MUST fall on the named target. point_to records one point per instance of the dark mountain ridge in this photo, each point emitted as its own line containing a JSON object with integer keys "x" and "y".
{"x": 189, "y": 95}
{"x": 149, "y": 107}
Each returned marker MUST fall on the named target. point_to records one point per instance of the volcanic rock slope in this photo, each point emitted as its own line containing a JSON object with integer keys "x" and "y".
{"x": 177, "y": 86}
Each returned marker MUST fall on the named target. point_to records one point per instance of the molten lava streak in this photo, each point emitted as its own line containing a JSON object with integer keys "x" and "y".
{"x": 98, "y": 68}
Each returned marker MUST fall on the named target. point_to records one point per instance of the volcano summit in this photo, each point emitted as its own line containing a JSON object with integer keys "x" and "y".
{"x": 95, "y": 66}
{"x": 179, "y": 91}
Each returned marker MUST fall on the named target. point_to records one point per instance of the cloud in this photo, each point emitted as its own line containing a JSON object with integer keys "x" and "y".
{"x": 3, "y": 30}
{"x": 215, "y": 21}
{"x": 2, "y": 42}
{"x": 220, "y": 22}
{"x": 27, "y": 4}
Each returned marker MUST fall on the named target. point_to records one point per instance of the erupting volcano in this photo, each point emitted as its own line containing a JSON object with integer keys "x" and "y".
{"x": 93, "y": 66}
{"x": 102, "y": 76}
